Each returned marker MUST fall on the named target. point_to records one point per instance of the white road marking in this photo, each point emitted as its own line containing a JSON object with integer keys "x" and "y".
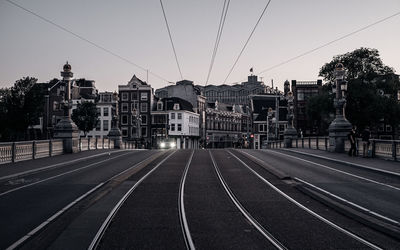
{"x": 336, "y": 170}
{"x": 59, "y": 175}
{"x": 57, "y": 214}
{"x": 54, "y": 166}
{"x": 344, "y": 162}
{"x": 308, "y": 210}
{"x": 366, "y": 210}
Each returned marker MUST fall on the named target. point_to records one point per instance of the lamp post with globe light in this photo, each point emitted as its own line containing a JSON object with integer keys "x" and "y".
{"x": 340, "y": 127}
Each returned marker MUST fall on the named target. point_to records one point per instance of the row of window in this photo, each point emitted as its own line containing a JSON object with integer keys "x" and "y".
{"x": 178, "y": 127}
{"x": 144, "y": 96}
{"x": 105, "y": 125}
{"x": 143, "y": 132}
{"x": 134, "y": 119}
{"x": 105, "y": 111}
{"x": 179, "y": 116}
{"x": 134, "y": 107}
{"x": 230, "y": 93}
{"x": 193, "y": 119}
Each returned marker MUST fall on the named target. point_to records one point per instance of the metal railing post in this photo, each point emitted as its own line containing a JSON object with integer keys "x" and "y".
{"x": 317, "y": 142}
{"x": 326, "y": 144}
{"x": 13, "y": 152}
{"x": 96, "y": 141}
{"x": 394, "y": 150}
{"x": 373, "y": 149}
{"x": 33, "y": 150}
{"x": 297, "y": 142}
{"x": 50, "y": 147}
{"x": 88, "y": 143}
{"x": 302, "y": 142}
{"x": 309, "y": 142}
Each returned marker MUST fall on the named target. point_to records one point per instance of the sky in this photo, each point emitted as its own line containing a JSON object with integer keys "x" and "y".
{"x": 135, "y": 30}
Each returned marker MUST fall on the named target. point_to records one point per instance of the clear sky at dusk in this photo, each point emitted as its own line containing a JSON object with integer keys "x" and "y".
{"x": 136, "y": 31}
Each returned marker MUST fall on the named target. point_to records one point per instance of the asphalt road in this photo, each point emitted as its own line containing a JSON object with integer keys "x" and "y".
{"x": 377, "y": 192}
{"x": 207, "y": 199}
{"x": 24, "y": 209}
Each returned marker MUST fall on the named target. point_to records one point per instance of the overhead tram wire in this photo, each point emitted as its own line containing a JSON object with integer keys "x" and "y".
{"x": 248, "y": 39}
{"x": 170, "y": 38}
{"x": 329, "y": 43}
{"x": 218, "y": 38}
{"x": 85, "y": 40}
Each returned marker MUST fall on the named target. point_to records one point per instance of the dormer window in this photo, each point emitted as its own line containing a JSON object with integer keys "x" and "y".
{"x": 176, "y": 106}
{"x": 159, "y": 105}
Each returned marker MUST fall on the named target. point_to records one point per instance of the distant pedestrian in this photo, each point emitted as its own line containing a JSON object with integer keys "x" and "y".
{"x": 352, "y": 138}
{"x": 365, "y": 135}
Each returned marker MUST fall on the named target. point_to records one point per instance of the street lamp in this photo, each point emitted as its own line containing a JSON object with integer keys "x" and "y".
{"x": 290, "y": 132}
{"x": 340, "y": 127}
{"x": 269, "y": 121}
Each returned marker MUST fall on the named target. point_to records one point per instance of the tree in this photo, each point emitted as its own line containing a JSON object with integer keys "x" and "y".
{"x": 372, "y": 90}
{"x": 85, "y": 116}
{"x": 21, "y": 106}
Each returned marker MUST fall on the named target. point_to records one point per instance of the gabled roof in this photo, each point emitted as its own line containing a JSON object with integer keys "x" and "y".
{"x": 183, "y": 104}
{"x": 136, "y": 81}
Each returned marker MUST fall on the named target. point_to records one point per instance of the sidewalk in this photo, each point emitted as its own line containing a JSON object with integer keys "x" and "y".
{"x": 13, "y": 170}
{"x": 375, "y": 164}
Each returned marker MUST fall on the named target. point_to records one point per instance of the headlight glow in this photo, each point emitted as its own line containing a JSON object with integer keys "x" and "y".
{"x": 173, "y": 144}
{"x": 162, "y": 144}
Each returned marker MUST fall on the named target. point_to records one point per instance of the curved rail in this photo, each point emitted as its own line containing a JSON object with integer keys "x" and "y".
{"x": 337, "y": 227}
{"x": 245, "y": 213}
{"x": 182, "y": 214}
{"x": 107, "y": 221}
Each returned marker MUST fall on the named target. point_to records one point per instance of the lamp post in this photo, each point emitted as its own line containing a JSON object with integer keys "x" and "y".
{"x": 290, "y": 132}
{"x": 340, "y": 127}
{"x": 138, "y": 119}
{"x": 269, "y": 121}
{"x": 115, "y": 133}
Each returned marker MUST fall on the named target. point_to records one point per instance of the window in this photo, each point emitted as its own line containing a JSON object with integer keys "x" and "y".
{"x": 300, "y": 96}
{"x": 105, "y": 125}
{"x": 144, "y": 132}
{"x": 176, "y": 106}
{"x": 134, "y": 96}
{"x": 260, "y": 128}
{"x": 124, "y": 107}
{"x": 98, "y": 111}
{"x": 144, "y": 119}
{"x": 124, "y": 96}
{"x": 173, "y": 127}
{"x": 135, "y": 106}
{"x": 124, "y": 132}
{"x": 159, "y": 105}
{"x": 124, "y": 119}
{"x": 388, "y": 128}
{"x": 179, "y": 116}
{"x": 179, "y": 127}
{"x": 143, "y": 107}
{"x": 143, "y": 96}
{"x": 172, "y": 116}
{"x": 98, "y": 125}
{"x": 105, "y": 111}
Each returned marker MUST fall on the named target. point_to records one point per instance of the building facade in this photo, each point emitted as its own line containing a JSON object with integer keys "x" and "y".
{"x": 135, "y": 103}
{"x": 269, "y": 118}
{"x": 302, "y": 91}
{"x": 174, "y": 120}
{"x": 227, "y": 125}
{"x": 186, "y": 90}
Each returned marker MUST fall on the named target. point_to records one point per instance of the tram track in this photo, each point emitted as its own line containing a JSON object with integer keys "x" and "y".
{"x": 267, "y": 235}
{"x": 43, "y": 226}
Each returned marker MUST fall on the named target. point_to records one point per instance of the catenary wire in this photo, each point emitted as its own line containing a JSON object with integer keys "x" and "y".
{"x": 329, "y": 43}
{"x": 248, "y": 39}
{"x": 170, "y": 38}
{"x": 218, "y": 38}
{"x": 85, "y": 39}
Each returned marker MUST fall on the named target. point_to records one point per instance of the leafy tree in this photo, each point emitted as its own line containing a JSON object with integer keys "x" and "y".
{"x": 372, "y": 90}
{"x": 21, "y": 106}
{"x": 85, "y": 116}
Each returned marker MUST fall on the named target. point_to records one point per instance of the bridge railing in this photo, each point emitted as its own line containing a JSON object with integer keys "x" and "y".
{"x": 28, "y": 150}
{"x": 389, "y": 149}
